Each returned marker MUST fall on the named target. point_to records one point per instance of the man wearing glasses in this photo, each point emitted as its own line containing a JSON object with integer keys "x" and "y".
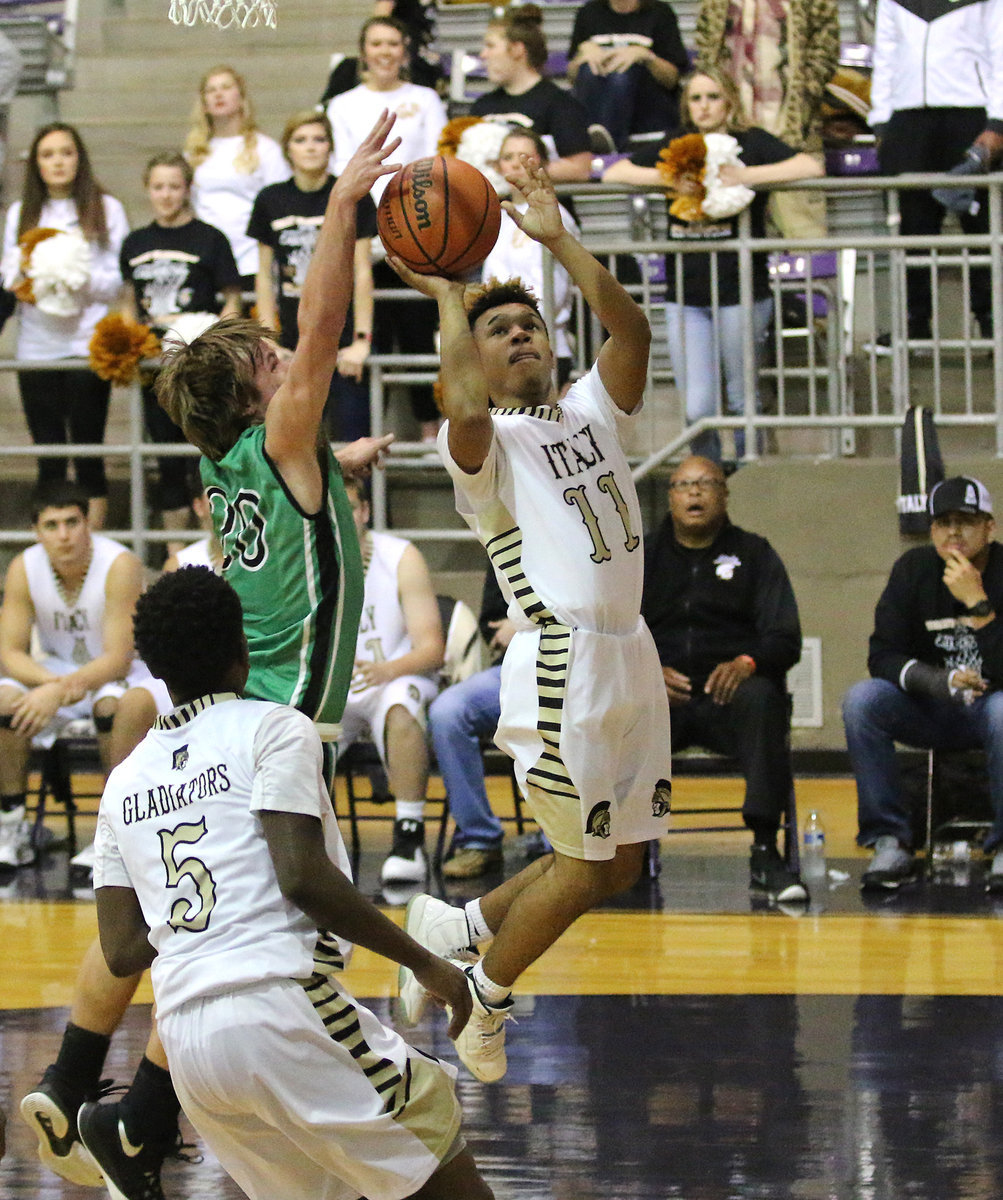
{"x": 722, "y": 611}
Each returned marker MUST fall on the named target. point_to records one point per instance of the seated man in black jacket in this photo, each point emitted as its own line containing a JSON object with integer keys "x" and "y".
{"x": 936, "y": 664}
{"x": 722, "y": 612}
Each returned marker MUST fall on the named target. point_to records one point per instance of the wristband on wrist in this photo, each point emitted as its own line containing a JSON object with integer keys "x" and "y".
{"x": 747, "y": 658}
{"x": 982, "y": 609}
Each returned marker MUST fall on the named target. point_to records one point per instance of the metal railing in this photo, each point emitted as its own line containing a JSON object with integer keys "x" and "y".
{"x": 833, "y": 376}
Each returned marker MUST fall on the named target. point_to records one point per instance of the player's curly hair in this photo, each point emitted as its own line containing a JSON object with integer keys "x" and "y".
{"x": 189, "y": 630}
{"x": 495, "y": 293}
{"x": 207, "y": 387}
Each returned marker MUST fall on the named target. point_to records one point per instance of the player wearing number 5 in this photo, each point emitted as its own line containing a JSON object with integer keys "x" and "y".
{"x": 278, "y": 499}
{"x": 548, "y": 490}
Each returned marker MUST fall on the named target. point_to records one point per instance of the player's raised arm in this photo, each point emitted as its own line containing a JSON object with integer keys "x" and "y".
{"x": 623, "y": 359}
{"x": 293, "y": 417}
{"x": 465, "y": 402}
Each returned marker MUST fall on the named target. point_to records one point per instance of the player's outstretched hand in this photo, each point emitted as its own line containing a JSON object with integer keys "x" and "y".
{"x": 447, "y": 985}
{"x": 542, "y": 220}
{"x": 360, "y": 456}
{"x": 368, "y": 163}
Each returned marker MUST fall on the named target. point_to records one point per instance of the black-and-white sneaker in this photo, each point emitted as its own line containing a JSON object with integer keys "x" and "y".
{"x": 406, "y": 862}
{"x": 16, "y": 849}
{"x": 769, "y": 873}
{"x": 130, "y": 1172}
{"x": 51, "y": 1111}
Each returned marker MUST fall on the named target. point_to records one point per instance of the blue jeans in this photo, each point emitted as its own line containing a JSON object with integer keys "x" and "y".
{"x": 611, "y": 100}
{"x": 695, "y": 353}
{"x": 877, "y": 714}
{"x": 458, "y": 718}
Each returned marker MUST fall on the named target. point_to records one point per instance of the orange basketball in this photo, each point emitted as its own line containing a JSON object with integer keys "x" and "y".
{"x": 440, "y": 216}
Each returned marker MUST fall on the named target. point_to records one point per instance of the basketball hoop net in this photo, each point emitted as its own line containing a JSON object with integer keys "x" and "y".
{"x": 225, "y": 14}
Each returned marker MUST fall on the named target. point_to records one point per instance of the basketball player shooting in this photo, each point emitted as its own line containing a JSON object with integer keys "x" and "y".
{"x": 584, "y": 714}
{"x": 278, "y": 501}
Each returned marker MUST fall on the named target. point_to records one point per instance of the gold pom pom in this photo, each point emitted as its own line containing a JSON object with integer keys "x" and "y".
{"x": 449, "y": 139}
{"x": 27, "y": 243}
{"x": 684, "y": 158}
{"x": 117, "y": 346}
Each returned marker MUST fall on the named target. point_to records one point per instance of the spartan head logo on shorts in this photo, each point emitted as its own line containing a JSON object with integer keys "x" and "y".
{"x": 180, "y": 759}
{"x": 598, "y": 823}
{"x": 661, "y": 799}
{"x": 412, "y": 693}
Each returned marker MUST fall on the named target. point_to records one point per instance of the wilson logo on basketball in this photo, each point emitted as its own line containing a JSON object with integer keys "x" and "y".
{"x": 421, "y": 182}
{"x": 439, "y": 216}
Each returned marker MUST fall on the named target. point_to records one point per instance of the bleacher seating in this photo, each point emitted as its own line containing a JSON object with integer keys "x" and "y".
{"x": 44, "y": 32}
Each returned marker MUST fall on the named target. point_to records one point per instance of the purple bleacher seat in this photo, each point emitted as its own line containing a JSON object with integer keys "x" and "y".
{"x": 557, "y": 64}
{"x": 852, "y": 160}
{"x": 601, "y": 162}
{"x": 824, "y": 265}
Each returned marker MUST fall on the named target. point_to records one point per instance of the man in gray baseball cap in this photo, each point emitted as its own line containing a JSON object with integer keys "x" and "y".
{"x": 936, "y": 666}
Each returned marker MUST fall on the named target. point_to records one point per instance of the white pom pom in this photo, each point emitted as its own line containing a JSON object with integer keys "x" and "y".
{"x": 722, "y": 201}
{"x": 480, "y": 146}
{"x": 186, "y": 327}
{"x": 59, "y": 269}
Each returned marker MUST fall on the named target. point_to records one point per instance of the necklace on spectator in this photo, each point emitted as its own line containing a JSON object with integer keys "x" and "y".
{"x": 70, "y": 596}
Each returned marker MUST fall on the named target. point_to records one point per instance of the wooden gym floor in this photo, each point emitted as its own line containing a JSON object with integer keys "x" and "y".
{"x": 691, "y": 1041}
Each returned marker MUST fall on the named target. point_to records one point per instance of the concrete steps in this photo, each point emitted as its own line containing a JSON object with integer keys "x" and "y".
{"x": 137, "y": 76}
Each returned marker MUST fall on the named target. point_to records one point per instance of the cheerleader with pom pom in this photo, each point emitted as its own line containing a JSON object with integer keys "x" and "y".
{"x": 711, "y": 174}
{"x": 61, "y": 244}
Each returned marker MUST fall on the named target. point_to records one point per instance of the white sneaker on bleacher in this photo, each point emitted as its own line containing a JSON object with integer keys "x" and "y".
{"x": 16, "y": 849}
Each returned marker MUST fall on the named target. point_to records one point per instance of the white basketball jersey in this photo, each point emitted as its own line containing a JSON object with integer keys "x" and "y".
{"x": 195, "y": 554}
{"x": 382, "y": 632}
{"x": 72, "y": 634}
{"x": 178, "y": 824}
{"x": 555, "y": 506}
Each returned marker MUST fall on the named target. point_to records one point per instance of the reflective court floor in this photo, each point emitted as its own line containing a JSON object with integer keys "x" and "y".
{"x": 692, "y": 1041}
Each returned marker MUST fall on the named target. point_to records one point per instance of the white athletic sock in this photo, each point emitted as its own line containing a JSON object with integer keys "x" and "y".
{"x": 477, "y": 927}
{"x": 410, "y": 810}
{"x": 492, "y": 994}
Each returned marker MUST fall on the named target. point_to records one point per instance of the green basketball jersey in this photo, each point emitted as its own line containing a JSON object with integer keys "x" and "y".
{"x": 299, "y": 577}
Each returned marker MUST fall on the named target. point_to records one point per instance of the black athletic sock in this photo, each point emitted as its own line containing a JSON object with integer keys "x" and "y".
{"x": 81, "y": 1056}
{"x": 14, "y": 800}
{"x": 764, "y": 832}
{"x": 149, "y": 1109}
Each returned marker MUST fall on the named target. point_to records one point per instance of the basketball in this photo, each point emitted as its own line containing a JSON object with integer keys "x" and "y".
{"x": 440, "y": 216}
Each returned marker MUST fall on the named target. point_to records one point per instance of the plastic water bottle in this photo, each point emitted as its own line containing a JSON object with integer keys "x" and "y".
{"x": 813, "y": 850}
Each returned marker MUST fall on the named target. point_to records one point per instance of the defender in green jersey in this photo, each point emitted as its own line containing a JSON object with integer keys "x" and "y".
{"x": 278, "y": 500}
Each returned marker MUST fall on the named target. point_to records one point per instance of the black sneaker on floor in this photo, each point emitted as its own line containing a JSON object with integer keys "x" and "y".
{"x": 769, "y": 873}
{"x": 51, "y": 1111}
{"x": 406, "y": 862}
{"x": 130, "y": 1172}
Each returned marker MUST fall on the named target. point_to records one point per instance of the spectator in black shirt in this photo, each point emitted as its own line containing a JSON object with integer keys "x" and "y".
{"x": 515, "y": 53}
{"x": 722, "y": 611}
{"x": 176, "y": 264}
{"x": 626, "y": 58}
{"x": 936, "y": 676}
{"x": 286, "y": 221}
